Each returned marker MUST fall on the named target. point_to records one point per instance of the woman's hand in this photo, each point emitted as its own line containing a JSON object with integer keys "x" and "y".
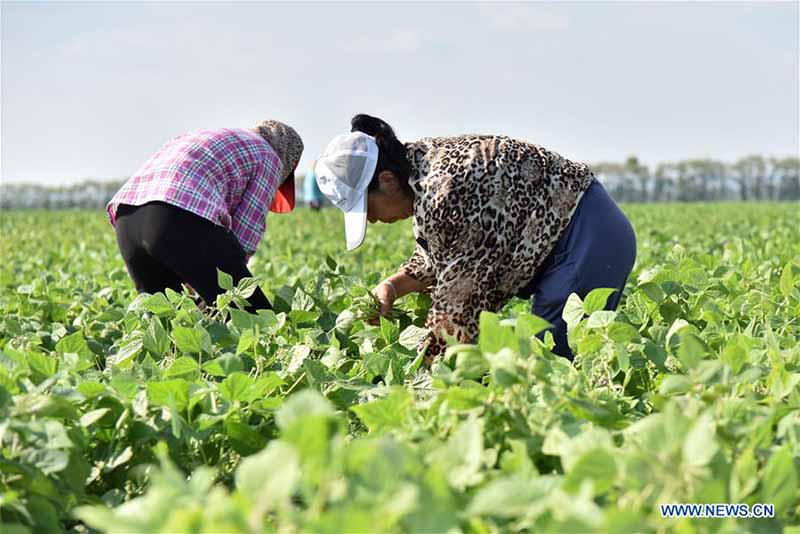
{"x": 386, "y": 294}
{"x": 396, "y": 286}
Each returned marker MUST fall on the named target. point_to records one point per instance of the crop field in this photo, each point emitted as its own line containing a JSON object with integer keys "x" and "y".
{"x": 142, "y": 413}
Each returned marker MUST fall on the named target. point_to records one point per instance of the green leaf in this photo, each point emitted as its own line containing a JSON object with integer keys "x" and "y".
{"x": 93, "y": 416}
{"x": 158, "y": 305}
{"x": 677, "y": 326}
{"x": 224, "y": 365}
{"x": 623, "y": 358}
{"x": 247, "y": 321}
{"x": 192, "y": 340}
{"x": 246, "y": 287}
{"x": 302, "y": 316}
{"x": 470, "y": 362}
{"x": 700, "y": 444}
{"x": 786, "y": 282}
{"x": 675, "y": 385}
{"x": 16, "y": 528}
{"x": 244, "y": 439}
{"x": 301, "y": 404}
{"x": 45, "y": 366}
{"x": 91, "y": 389}
{"x": 344, "y": 321}
{"x": 735, "y": 353}
{"x": 389, "y": 330}
{"x": 744, "y": 479}
{"x": 377, "y": 363}
{"x": 781, "y": 382}
{"x": 387, "y": 413}
{"x": 74, "y": 343}
{"x": 493, "y": 335}
{"x": 624, "y": 521}
{"x": 156, "y": 340}
{"x": 510, "y": 497}
{"x": 246, "y": 341}
{"x": 601, "y": 319}
{"x": 317, "y": 373}
{"x": 126, "y": 385}
{"x": 597, "y": 465}
{"x": 49, "y": 461}
{"x": 302, "y": 301}
{"x": 45, "y": 514}
{"x": 779, "y": 481}
{"x": 299, "y": 354}
{"x": 411, "y": 336}
{"x": 175, "y": 391}
{"x": 269, "y": 478}
{"x": 266, "y": 384}
{"x": 235, "y": 387}
{"x": 504, "y": 370}
{"x": 517, "y": 461}
{"x": 465, "y": 398}
{"x": 622, "y": 332}
{"x": 596, "y": 299}
{"x": 330, "y": 262}
{"x": 573, "y": 311}
{"x": 691, "y": 350}
{"x": 529, "y": 325}
{"x": 182, "y": 366}
{"x": 129, "y": 348}
{"x": 653, "y": 292}
{"x": 461, "y": 457}
{"x": 120, "y": 458}
{"x": 224, "y": 280}
{"x": 655, "y": 353}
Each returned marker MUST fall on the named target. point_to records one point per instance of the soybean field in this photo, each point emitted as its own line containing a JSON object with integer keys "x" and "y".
{"x": 144, "y": 413}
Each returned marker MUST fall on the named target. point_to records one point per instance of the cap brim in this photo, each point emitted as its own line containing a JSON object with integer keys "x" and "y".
{"x": 355, "y": 223}
{"x": 284, "y": 197}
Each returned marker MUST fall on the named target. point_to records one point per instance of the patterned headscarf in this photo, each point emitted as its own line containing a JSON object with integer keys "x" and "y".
{"x": 284, "y": 140}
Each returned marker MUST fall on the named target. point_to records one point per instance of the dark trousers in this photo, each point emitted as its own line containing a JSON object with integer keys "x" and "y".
{"x": 164, "y": 246}
{"x": 597, "y": 249}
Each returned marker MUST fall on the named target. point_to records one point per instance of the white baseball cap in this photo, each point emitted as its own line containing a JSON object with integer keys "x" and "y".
{"x": 344, "y": 171}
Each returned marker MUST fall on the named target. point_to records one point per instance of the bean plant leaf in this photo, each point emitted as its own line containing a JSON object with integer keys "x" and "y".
{"x": 573, "y": 310}
{"x": 494, "y": 336}
{"x": 780, "y": 484}
{"x": 596, "y": 299}
{"x": 224, "y": 280}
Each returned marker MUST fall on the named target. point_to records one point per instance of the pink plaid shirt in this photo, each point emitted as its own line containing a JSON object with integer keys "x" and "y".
{"x": 228, "y": 176}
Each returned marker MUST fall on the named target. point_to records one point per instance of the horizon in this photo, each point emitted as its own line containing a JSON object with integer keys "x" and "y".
{"x": 81, "y": 181}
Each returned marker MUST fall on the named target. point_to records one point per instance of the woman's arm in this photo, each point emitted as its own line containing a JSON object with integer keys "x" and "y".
{"x": 416, "y": 274}
{"x": 396, "y": 286}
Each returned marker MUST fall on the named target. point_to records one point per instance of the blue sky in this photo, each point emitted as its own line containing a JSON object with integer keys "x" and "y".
{"x": 90, "y": 90}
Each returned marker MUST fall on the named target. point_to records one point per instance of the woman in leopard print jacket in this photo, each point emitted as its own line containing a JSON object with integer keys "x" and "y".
{"x": 494, "y": 217}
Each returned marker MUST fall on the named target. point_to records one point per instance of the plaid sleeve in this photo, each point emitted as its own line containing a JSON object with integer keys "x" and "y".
{"x": 249, "y": 220}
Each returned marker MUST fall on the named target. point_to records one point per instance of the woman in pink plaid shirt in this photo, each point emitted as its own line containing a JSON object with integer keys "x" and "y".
{"x": 200, "y": 204}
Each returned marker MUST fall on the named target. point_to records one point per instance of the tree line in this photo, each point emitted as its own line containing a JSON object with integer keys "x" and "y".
{"x": 751, "y": 178}
{"x": 703, "y": 180}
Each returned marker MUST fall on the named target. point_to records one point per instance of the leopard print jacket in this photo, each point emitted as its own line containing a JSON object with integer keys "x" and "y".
{"x": 487, "y": 212}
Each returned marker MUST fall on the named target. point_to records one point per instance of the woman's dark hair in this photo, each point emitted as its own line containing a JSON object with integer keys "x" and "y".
{"x": 391, "y": 152}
